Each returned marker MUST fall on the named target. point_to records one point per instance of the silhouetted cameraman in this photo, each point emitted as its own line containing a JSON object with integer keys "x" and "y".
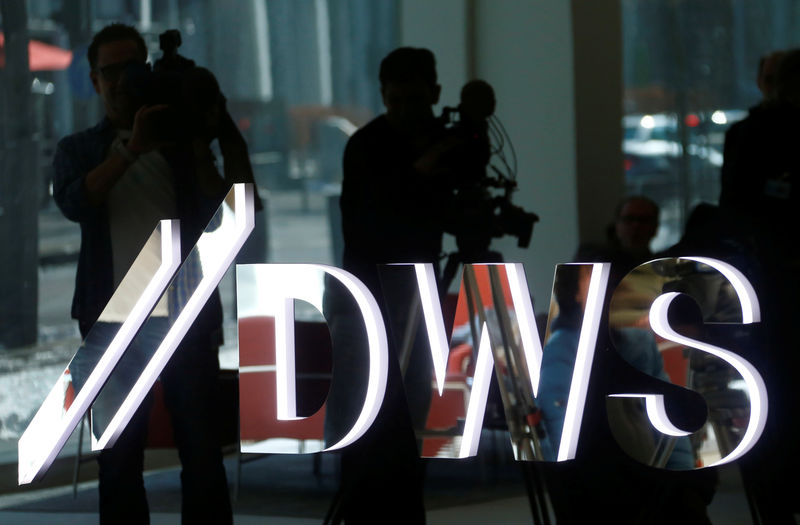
{"x": 393, "y": 203}
{"x": 395, "y": 198}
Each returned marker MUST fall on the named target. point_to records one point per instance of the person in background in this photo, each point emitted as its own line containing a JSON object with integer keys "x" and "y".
{"x": 760, "y": 199}
{"x": 627, "y": 239}
{"x": 736, "y": 136}
{"x": 394, "y": 204}
{"x": 117, "y": 180}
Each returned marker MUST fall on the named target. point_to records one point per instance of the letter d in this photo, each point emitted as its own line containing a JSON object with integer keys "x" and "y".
{"x": 269, "y": 291}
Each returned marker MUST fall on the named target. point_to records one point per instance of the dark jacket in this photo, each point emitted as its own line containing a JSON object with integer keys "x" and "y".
{"x": 390, "y": 212}
{"x": 77, "y": 155}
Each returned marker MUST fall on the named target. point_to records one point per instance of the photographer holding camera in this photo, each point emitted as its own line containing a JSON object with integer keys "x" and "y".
{"x": 142, "y": 163}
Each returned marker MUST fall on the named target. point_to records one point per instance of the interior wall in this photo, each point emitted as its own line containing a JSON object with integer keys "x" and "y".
{"x": 597, "y": 44}
{"x": 524, "y": 49}
{"x": 441, "y": 26}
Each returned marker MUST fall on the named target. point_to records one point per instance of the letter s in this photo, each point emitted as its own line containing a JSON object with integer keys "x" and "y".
{"x": 725, "y": 278}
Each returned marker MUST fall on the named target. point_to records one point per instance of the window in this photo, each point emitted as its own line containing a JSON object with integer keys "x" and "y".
{"x": 690, "y": 71}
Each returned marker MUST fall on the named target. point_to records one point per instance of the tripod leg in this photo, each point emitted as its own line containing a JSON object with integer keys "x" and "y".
{"x": 531, "y": 489}
{"x": 540, "y": 492}
{"x": 78, "y": 460}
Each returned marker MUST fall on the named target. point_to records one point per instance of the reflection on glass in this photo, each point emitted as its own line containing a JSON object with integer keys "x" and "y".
{"x": 671, "y": 318}
{"x": 136, "y": 296}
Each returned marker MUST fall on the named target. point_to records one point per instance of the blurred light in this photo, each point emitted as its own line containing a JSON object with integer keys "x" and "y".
{"x": 342, "y": 124}
{"x": 648, "y": 122}
{"x": 692, "y": 120}
{"x": 718, "y": 117}
{"x": 42, "y": 88}
{"x": 737, "y": 384}
{"x": 189, "y": 26}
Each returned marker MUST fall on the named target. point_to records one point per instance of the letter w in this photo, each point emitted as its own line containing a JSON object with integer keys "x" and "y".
{"x": 517, "y": 360}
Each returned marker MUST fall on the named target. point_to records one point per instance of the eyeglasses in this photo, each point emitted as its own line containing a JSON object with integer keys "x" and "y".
{"x": 638, "y": 219}
{"x": 113, "y": 72}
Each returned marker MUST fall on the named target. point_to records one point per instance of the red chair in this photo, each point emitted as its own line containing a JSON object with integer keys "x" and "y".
{"x": 257, "y": 388}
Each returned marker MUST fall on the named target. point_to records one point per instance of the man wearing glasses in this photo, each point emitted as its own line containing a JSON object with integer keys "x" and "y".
{"x": 118, "y": 179}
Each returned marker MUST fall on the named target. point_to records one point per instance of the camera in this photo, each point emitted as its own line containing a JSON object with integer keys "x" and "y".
{"x": 190, "y": 92}
{"x": 481, "y": 205}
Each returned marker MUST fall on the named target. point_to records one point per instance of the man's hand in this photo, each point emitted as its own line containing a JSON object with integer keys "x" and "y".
{"x": 143, "y": 137}
{"x": 100, "y": 180}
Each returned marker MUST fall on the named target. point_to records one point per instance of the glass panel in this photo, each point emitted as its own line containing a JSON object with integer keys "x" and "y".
{"x": 299, "y": 78}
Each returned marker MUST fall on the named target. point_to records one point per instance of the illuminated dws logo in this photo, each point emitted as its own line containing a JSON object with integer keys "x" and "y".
{"x": 282, "y": 284}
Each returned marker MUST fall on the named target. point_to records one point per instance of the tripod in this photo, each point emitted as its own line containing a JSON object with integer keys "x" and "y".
{"x": 511, "y": 371}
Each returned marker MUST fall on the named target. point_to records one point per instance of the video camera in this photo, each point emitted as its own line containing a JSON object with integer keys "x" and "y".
{"x": 191, "y": 92}
{"x": 479, "y": 212}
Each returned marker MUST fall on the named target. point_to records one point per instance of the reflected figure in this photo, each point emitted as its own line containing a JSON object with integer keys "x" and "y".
{"x": 393, "y": 210}
{"x": 392, "y": 203}
{"x": 760, "y": 198}
{"x": 149, "y": 159}
{"x": 736, "y": 136}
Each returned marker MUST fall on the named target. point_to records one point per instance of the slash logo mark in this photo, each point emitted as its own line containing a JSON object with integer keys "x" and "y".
{"x": 215, "y": 251}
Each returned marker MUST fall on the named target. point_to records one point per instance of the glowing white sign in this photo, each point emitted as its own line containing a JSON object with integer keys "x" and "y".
{"x": 755, "y": 384}
{"x": 221, "y": 255}
{"x": 742, "y": 291}
{"x": 284, "y": 283}
{"x": 583, "y": 361}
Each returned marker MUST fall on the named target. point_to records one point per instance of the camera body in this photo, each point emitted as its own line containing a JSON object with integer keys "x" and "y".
{"x": 189, "y": 91}
{"x": 481, "y": 206}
